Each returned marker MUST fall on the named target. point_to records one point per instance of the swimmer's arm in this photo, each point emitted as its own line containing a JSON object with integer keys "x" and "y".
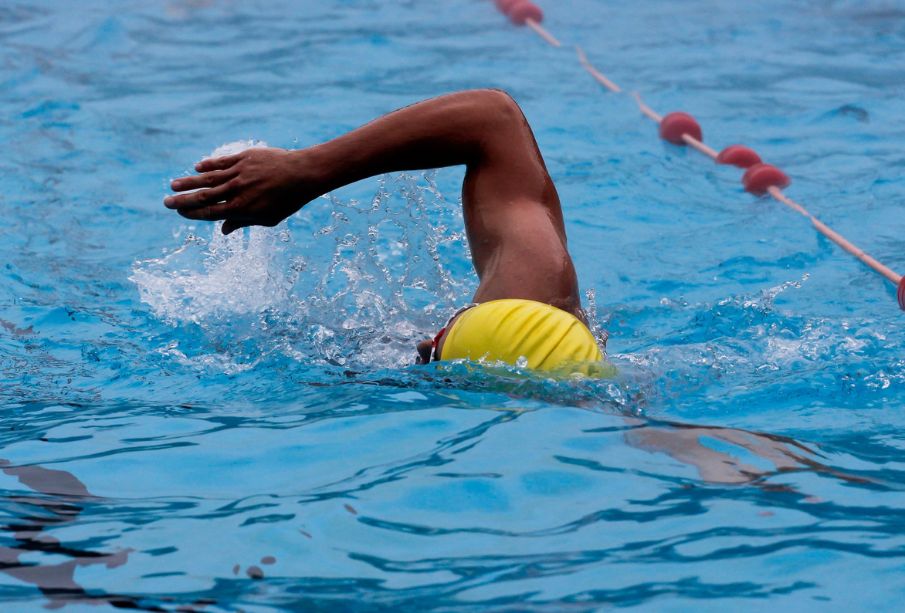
{"x": 482, "y": 129}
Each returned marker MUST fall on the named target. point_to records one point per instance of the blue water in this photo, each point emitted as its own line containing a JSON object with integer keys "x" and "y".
{"x": 190, "y": 421}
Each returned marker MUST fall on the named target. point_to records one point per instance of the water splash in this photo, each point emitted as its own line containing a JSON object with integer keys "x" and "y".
{"x": 215, "y": 278}
{"x": 729, "y": 348}
{"x": 344, "y": 283}
{"x": 595, "y": 324}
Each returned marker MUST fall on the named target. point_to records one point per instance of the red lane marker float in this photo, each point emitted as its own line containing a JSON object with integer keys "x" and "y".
{"x": 761, "y": 177}
{"x": 675, "y": 126}
{"x": 526, "y": 13}
{"x": 682, "y": 129}
{"x": 738, "y": 155}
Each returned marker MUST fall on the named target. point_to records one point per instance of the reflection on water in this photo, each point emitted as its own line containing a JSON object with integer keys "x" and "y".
{"x": 721, "y": 456}
{"x": 58, "y": 499}
{"x": 244, "y": 413}
{"x": 718, "y": 453}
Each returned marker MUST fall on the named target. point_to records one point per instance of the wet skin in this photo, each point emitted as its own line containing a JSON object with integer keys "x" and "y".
{"x": 514, "y": 225}
{"x": 513, "y": 217}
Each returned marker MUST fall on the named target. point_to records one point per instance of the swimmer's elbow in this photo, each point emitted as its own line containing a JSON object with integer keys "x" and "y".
{"x": 499, "y": 108}
{"x": 501, "y": 130}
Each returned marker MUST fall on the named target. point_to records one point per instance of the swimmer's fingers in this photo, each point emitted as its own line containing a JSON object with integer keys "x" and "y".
{"x": 231, "y": 225}
{"x": 208, "y": 179}
{"x": 211, "y": 212}
{"x": 225, "y": 211}
{"x": 221, "y": 163}
{"x": 201, "y": 198}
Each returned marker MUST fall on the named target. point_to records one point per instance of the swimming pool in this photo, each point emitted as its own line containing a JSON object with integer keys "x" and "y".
{"x": 232, "y": 424}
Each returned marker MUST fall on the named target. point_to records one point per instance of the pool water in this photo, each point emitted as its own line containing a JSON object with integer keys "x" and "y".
{"x": 234, "y": 424}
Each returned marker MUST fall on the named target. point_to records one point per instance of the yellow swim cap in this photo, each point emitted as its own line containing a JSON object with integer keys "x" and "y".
{"x": 506, "y": 330}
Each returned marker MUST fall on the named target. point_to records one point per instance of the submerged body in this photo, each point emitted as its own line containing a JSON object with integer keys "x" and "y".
{"x": 513, "y": 217}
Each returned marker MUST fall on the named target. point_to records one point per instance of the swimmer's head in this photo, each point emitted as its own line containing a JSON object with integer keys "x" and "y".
{"x": 517, "y": 332}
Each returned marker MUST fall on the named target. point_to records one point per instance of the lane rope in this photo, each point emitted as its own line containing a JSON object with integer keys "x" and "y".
{"x": 682, "y": 129}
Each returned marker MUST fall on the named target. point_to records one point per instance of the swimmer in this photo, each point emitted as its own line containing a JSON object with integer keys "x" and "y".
{"x": 527, "y": 307}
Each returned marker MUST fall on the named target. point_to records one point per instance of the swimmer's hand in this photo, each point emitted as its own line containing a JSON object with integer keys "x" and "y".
{"x": 257, "y": 187}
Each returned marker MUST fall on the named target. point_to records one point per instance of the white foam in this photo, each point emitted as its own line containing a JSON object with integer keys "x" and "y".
{"x": 237, "y": 276}
{"x": 342, "y": 289}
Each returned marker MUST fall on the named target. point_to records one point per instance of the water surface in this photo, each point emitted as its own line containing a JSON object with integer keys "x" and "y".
{"x": 225, "y": 424}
